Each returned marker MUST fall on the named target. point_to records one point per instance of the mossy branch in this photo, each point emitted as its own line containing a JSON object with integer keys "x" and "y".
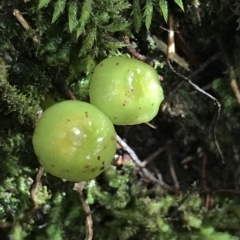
{"x": 17, "y": 103}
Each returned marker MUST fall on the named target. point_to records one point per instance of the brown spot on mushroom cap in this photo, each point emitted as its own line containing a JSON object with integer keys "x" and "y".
{"x": 98, "y": 158}
{"x": 86, "y": 114}
{"x": 87, "y": 166}
{"x": 113, "y": 138}
{"x": 93, "y": 169}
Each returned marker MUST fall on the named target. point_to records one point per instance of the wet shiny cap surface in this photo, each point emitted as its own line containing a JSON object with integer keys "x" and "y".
{"x": 74, "y": 140}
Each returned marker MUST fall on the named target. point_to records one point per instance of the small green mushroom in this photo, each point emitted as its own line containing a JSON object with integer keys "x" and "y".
{"x": 74, "y": 140}
{"x": 127, "y": 90}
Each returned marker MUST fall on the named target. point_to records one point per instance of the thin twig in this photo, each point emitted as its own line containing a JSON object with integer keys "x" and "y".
{"x": 130, "y": 151}
{"x": 171, "y": 41}
{"x": 60, "y": 84}
{"x": 233, "y": 83}
{"x": 216, "y": 102}
{"x": 24, "y": 23}
{"x": 37, "y": 183}
{"x": 132, "y": 50}
{"x": 201, "y": 68}
{"x": 175, "y": 57}
{"x": 172, "y": 171}
{"x": 20, "y": 18}
{"x": 129, "y": 46}
{"x": 150, "y": 125}
{"x": 109, "y": 38}
{"x": 152, "y": 156}
{"x": 187, "y": 160}
{"x": 206, "y": 198}
{"x": 231, "y": 71}
{"x": 138, "y": 162}
{"x": 33, "y": 192}
{"x": 167, "y": 30}
{"x": 88, "y": 221}
{"x": 203, "y": 172}
{"x": 196, "y": 5}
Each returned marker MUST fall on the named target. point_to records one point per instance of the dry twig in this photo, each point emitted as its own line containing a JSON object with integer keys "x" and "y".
{"x": 61, "y": 86}
{"x": 201, "y": 68}
{"x": 24, "y": 23}
{"x": 143, "y": 171}
{"x": 206, "y": 198}
{"x": 132, "y": 50}
{"x": 37, "y": 183}
{"x": 216, "y": 102}
{"x": 196, "y": 5}
{"x": 233, "y": 84}
{"x": 21, "y": 19}
{"x": 150, "y": 125}
{"x": 152, "y": 156}
{"x": 171, "y": 42}
{"x": 175, "y": 57}
{"x": 78, "y": 187}
{"x": 172, "y": 171}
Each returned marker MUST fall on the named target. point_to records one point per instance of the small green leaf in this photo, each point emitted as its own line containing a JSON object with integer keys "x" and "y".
{"x": 179, "y": 3}
{"x": 88, "y": 42}
{"x": 43, "y": 3}
{"x": 148, "y": 11}
{"x": 163, "y": 4}
{"x": 58, "y": 9}
{"x": 85, "y": 15}
{"x": 72, "y": 15}
{"x": 119, "y": 25}
{"x": 137, "y": 15}
{"x": 90, "y": 63}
